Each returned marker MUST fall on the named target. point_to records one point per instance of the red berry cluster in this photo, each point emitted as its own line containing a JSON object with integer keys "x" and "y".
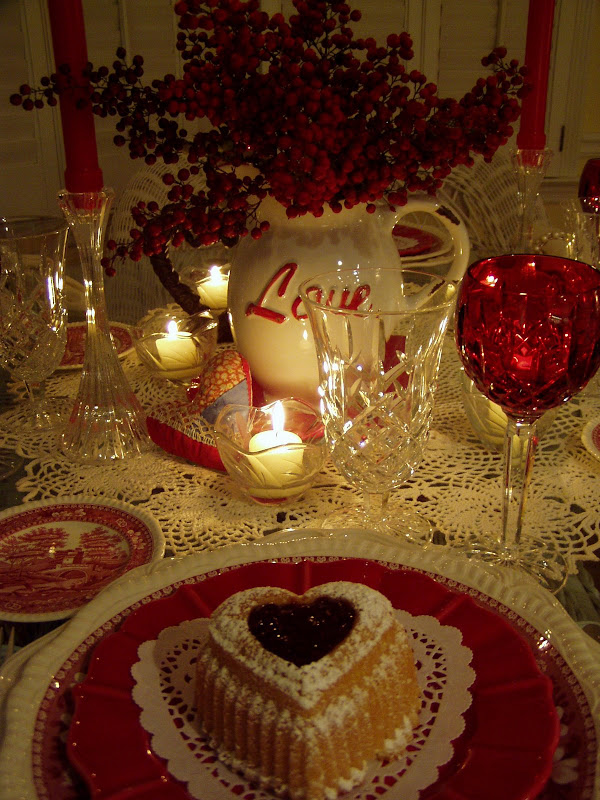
{"x": 298, "y": 109}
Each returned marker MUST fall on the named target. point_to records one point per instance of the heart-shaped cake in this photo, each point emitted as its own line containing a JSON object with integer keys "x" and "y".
{"x": 299, "y": 692}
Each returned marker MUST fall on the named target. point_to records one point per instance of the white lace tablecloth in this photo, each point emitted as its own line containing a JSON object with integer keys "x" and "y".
{"x": 458, "y": 486}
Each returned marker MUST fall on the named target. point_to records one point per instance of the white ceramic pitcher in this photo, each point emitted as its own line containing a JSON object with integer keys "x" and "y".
{"x": 269, "y": 325}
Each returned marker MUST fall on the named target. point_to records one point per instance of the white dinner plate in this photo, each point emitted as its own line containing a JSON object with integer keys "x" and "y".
{"x": 38, "y": 709}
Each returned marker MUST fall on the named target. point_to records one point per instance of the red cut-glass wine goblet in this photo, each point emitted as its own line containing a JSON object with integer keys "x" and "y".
{"x": 528, "y": 334}
{"x": 589, "y": 187}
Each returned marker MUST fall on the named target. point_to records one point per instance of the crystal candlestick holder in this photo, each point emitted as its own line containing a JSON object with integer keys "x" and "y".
{"x": 178, "y": 355}
{"x": 107, "y": 422}
{"x": 273, "y": 453}
{"x": 530, "y": 167}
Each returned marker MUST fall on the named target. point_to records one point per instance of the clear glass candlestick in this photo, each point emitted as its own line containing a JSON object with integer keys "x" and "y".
{"x": 107, "y": 422}
{"x": 530, "y": 168}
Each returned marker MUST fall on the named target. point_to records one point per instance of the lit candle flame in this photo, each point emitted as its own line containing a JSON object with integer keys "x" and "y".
{"x": 277, "y": 417}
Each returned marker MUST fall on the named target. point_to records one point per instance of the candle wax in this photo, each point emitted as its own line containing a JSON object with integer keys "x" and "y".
{"x": 276, "y": 468}
{"x": 213, "y": 291}
{"x": 178, "y": 355}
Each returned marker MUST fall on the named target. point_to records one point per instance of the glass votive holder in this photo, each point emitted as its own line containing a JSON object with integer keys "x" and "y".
{"x": 211, "y": 283}
{"x": 273, "y": 453}
{"x": 159, "y": 320}
{"x": 178, "y": 355}
{"x": 488, "y": 420}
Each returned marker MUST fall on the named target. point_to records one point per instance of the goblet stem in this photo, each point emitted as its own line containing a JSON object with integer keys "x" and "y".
{"x": 520, "y": 444}
{"x": 10, "y": 463}
{"x": 44, "y": 413}
{"x": 375, "y": 504}
{"x": 538, "y": 557}
{"x": 37, "y": 396}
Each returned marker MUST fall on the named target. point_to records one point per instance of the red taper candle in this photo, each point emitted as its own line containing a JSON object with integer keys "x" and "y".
{"x": 532, "y": 134}
{"x": 82, "y": 173}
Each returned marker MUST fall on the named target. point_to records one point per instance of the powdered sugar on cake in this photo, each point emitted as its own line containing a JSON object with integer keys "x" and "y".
{"x": 306, "y": 684}
{"x": 165, "y": 688}
{"x": 307, "y": 731}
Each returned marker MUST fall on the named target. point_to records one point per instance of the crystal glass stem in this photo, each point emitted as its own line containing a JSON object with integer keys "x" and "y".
{"x": 376, "y": 506}
{"x": 530, "y": 168}
{"x": 519, "y": 451}
{"x": 107, "y": 422}
{"x": 40, "y": 415}
{"x": 10, "y": 463}
{"x": 541, "y": 559}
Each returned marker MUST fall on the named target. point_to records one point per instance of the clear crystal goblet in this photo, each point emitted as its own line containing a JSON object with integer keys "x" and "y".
{"x": 33, "y": 317}
{"x": 378, "y": 335}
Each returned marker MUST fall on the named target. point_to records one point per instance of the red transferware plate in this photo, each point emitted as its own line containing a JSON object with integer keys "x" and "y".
{"x": 75, "y": 349}
{"x": 56, "y": 555}
{"x": 511, "y": 727}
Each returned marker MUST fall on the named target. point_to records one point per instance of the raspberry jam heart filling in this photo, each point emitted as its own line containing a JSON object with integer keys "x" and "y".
{"x": 302, "y": 632}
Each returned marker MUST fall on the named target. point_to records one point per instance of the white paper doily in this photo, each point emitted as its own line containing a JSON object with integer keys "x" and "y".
{"x": 165, "y": 684}
{"x": 457, "y": 486}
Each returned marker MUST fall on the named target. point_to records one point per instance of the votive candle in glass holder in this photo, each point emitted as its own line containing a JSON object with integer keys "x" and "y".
{"x": 157, "y": 320}
{"x": 177, "y": 355}
{"x": 212, "y": 289}
{"x": 488, "y": 420}
{"x": 273, "y": 453}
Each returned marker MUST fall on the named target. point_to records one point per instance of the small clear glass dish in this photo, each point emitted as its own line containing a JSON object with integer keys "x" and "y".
{"x": 273, "y": 453}
{"x": 178, "y": 355}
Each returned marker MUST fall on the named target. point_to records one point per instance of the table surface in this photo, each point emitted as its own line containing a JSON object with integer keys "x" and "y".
{"x": 212, "y": 513}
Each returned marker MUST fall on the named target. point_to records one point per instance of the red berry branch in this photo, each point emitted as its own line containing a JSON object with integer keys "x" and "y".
{"x": 297, "y": 109}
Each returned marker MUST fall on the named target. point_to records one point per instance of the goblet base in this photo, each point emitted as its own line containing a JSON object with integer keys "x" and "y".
{"x": 540, "y": 559}
{"x": 399, "y": 521}
{"x": 10, "y": 462}
{"x": 51, "y": 414}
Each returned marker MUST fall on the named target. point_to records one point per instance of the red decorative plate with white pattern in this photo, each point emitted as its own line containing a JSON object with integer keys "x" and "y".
{"x": 590, "y": 436}
{"x": 521, "y": 640}
{"x": 75, "y": 349}
{"x": 56, "y": 555}
{"x": 507, "y": 676}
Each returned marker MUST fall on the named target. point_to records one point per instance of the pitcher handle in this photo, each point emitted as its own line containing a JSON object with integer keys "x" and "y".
{"x": 453, "y": 224}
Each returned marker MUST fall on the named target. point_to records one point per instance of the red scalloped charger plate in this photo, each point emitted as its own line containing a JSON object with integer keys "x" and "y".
{"x": 511, "y": 732}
